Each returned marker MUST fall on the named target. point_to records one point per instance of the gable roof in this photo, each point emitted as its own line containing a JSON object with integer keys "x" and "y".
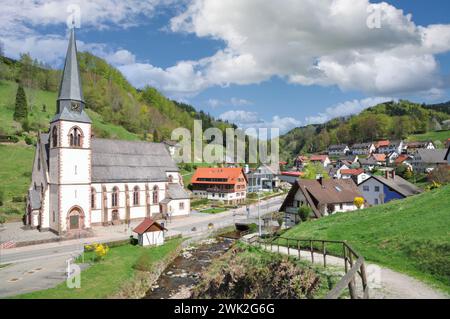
{"x": 330, "y": 191}
{"x": 401, "y": 158}
{"x": 318, "y": 158}
{"x": 354, "y": 172}
{"x": 418, "y": 144}
{"x": 340, "y": 147}
{"x": 176, "y": 191}
{"x": 430, "y": 156}
{"x": 398, "y": 184}
{"x": 379, "y": 157}
{"x": 367, "y": 161}
{"x": 125, "y": 161}
{"x": 148, "y": 225}
{"x": 230, "y": 174}
{"x": 362, "y": 145}
{"x": 382, "y": 143}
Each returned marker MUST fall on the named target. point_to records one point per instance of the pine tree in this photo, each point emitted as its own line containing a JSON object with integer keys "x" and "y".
{"x": 21, "y": 108}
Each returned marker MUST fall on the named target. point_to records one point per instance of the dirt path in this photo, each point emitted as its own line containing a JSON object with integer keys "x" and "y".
{"x": 384, "y": 283}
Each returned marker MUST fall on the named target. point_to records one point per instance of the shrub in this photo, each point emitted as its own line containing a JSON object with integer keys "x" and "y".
{"x": 440, "y": 175}
{"x": 304, "y": 212}
{"x": 2, "y": 197}
{"x": 359, "y": 202}
{"x": 143, "y": 263}
{"x": 2, "y": 220}
{"x": 13, "y": 211}
{"x": 29, "y": 140}
{"x": 18, "y": 199}
{"x": 252, "y": 195}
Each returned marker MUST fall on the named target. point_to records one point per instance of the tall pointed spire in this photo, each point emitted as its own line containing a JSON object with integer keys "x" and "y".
{"x": 70, "y": 103}
{"x": 70, "y": 88}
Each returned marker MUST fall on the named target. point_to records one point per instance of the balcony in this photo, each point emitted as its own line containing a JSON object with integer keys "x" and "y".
{"x": 219, "y": 190}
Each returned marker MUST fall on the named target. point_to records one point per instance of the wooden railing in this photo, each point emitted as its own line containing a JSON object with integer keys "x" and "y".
{"x": 353, "y": 262}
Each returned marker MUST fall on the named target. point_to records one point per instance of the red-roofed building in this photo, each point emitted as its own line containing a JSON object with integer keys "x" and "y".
{"x": 322, "y": 159}
{"x": 357, "y": 175}
{"x": 382, "y": 144}
{"x": 379, "y": 158}
{"x": 227, "y": 184}
{"x": 150, "y": 233}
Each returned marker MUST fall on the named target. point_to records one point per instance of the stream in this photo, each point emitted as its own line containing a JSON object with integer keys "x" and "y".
{"x": 184, "y": 272}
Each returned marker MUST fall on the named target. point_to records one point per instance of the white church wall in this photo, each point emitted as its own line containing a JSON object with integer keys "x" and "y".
{"x": 72, "y": 196}
{"x": 75, "y": 166}
{"x": 179, "y": 207}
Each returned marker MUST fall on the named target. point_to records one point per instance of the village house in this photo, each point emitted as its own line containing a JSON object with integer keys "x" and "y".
{"x": 291, "y": 177}
{"x": 426, "y": 160}
{"x": 263, "y": 179}
{"x": 336, "y": 150}
{"x": 357, "y": 175}
{"x": 381, "y": 146}
{"x": 323, "y": 160}
{"x": 368, "y": 164}
{"x": 301, "y": 161}
{"x": 349, "y": 160}
{"x": 227, "y": 184}
{"x": 390, "y": 158}
{"x": 379, "y": 190}
{"x": 323, "y": 196}
{"x": 404, "y": 159}
{"x": 393, "y": 146}
{"x": 380, "y": 159}
{"x": 363, "y": 149}
{"x": 79, "y": 181}
{"x": 413, "y": 147}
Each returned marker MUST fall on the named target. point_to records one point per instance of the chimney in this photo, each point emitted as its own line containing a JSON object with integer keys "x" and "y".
{"x": 386, "y": 174}
{"x": 319, "y": 178}
{"x": 393, "y": 173}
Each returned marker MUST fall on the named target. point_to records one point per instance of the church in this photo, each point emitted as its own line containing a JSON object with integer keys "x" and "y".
{"x": 79, "y": 181}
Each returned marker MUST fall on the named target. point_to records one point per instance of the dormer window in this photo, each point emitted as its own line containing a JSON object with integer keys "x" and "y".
{"x": 76, "y": 137}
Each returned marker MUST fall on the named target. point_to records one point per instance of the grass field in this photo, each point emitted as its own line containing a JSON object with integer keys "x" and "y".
{"x": 16, "y": 163}
{"x": 104, "y": 279}
{"x": 411, "y": 236}
{"x": 441, "y": 136}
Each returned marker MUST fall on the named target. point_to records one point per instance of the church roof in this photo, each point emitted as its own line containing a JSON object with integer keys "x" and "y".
{"x": 125, "y": 161}
{"x": 175, "y": 191}
{"x": 70, "y": 88}
{"x": 68, "y": 115}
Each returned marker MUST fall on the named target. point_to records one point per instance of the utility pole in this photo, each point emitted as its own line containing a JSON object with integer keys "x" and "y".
{"x": 259, "y": 217}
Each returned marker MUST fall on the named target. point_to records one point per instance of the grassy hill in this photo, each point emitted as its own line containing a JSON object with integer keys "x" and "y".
{"x": 390, "y": 120}
{"x": 411, "y": 236}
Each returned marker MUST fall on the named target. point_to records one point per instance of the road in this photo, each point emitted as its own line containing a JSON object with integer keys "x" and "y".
{"x": 42, "y": 266}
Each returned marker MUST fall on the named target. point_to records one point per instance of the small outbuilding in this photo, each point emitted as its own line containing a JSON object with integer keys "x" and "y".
{"x": 150, "y": 233}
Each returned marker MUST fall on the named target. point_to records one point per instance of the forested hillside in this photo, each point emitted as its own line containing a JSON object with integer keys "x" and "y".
{"x": 145, "y": 113}
{"x": 391, "y": 120}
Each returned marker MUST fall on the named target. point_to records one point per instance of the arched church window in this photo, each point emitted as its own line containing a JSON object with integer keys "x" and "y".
{"x": 76, "y": 137}
{"x": 115, "y": 197}
{"x": 93, "y": 193}
{"x": 155, "y": 194}
{"x": 55, "y": 136}
{"x": 136, "y": 196}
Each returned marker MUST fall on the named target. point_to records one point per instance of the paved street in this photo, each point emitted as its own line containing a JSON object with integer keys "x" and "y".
{"x": 42, "y": 266}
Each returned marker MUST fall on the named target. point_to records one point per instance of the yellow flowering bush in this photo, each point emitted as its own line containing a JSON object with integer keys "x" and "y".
{"x": 99, "y": 250}
{"x": 359, "y": 202}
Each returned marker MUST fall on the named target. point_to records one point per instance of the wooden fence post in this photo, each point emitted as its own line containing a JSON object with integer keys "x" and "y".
{"x": 324, "y": 254}
{"x": 298, "y": 249}
{"x": 312, "y": 251}
{"x": 287, "y": 243}
{"x": 351, "y": 284}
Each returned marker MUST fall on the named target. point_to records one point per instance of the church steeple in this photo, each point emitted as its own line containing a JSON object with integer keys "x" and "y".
{"x": 70, "y": 103}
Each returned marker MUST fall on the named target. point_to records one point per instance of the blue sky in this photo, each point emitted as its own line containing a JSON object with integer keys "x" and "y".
{"x": 281, "y": 64}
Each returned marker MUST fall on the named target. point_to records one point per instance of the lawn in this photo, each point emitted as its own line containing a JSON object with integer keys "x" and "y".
{"x": 411, "y": 236}
{"x": 16, "y": 163}
{"x": 214, "y": 210}
{"x": 431, "y": 136}
{"x": 104, "y": 279}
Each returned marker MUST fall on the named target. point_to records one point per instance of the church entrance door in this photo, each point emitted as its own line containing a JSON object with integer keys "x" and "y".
{"x": 75, "y": 219}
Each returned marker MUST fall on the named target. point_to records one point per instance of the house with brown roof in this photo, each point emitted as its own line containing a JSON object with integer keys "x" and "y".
{"x": 227, "y": 184}
{"x": 380, "y": 159}
{"x": 150, "y": 233}
{"x": 413, "y": 147}
{"x": 357, "y": 175}
{"x": 324, "y": 196}
{"x": 363, "y": 148}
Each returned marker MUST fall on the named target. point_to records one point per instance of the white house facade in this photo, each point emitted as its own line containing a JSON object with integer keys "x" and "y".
{"x": 79, "y": 181}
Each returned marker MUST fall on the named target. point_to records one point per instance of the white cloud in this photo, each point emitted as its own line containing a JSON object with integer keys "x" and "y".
{"x": 316, "y": 42}
{"x": 245, "y": 120}
{"x": 121, "y": 57}
{"x": 345, "y": 109}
